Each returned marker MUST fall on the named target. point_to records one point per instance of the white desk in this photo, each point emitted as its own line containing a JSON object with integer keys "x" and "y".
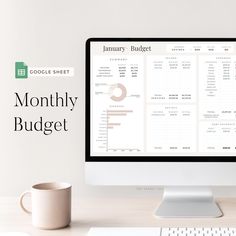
{"x": 109, "y": 212}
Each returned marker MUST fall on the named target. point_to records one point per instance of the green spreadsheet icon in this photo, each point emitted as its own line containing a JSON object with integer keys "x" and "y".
{"x": 21, "y": 70}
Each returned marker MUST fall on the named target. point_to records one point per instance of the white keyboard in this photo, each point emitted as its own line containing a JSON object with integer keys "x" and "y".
{"x": 154, "y": 231}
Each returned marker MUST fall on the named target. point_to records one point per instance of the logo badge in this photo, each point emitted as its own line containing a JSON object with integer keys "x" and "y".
{"x": 21, "y": 70}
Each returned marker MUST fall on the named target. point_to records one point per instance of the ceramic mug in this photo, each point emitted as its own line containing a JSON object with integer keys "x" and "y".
{"x": 51, "y": 205}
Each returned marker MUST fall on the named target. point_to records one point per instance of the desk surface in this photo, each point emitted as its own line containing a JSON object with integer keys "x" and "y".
{"x": 109, "y": 212}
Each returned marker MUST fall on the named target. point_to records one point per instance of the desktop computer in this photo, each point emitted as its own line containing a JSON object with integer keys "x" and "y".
{"x": 162, "y": 112}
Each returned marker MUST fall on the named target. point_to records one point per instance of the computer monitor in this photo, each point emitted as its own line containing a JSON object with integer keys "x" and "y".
{"x": 162, "y": 111}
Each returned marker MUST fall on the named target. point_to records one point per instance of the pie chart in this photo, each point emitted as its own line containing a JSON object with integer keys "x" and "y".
{"x": 118, "y": 92}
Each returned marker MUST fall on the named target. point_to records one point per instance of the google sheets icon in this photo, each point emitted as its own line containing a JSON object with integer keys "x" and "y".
{"x": 21, "y": 70}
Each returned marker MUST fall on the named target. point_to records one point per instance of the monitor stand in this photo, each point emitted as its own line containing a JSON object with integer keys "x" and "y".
{"x": 188, "y": 202}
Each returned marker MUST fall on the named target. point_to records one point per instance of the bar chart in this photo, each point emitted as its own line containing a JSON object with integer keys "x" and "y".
{"x": 113, "y": 126}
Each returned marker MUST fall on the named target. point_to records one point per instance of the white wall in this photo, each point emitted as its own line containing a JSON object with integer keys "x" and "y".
{"x": 53, "y": 33}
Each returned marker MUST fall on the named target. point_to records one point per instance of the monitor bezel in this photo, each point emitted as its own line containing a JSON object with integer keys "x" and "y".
{"x": 143, "y": 158}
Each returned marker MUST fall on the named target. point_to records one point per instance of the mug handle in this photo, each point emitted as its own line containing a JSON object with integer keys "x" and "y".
{"x": 21, "y": 202}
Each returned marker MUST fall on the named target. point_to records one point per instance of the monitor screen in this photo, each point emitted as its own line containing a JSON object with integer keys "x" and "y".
{"x": 164, "y": 98}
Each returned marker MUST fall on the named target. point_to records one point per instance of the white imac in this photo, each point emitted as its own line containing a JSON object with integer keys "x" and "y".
{"x": 162, "y": 111}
